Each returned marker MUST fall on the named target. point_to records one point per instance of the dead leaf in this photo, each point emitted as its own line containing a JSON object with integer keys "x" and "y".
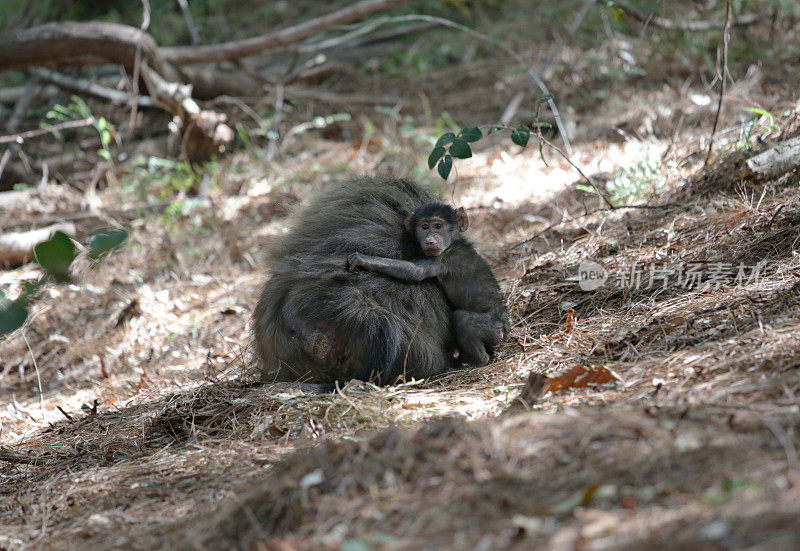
{"x": 580, "y": 377}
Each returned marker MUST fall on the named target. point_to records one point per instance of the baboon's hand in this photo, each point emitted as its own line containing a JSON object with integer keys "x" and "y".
{"x": 354, "y": 261}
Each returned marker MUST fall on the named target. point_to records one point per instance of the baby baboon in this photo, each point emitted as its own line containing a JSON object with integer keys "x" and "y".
{"x": 479, "y": 319}
{"x": 317, "y": 322}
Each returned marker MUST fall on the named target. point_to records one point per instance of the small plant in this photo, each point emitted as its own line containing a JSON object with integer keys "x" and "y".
{"x": 156, "y": 179}
{"x": 78, "y": 110}
{"x": 55, "y": 256}
{"x": 761, "y": 120}
{"x": 639, "y": 179}
{"x": 450, "y": 144}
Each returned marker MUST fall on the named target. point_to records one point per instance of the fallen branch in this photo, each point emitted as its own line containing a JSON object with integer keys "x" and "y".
{"x": 228, "y": 51}
{"x": 777, "y": 160}
{"x": 83, "y": 44}
{"x": 22, "y": 136}
{"x": 203, "y": 132}
{"x": 88, "y": 87}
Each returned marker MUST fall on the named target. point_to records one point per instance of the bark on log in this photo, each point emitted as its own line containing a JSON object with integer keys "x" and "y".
{"x": 777, "y": 160}
{"x": 56, "y": 45}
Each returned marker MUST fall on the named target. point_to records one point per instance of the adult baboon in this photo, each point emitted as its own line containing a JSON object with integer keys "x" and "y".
{"x": 318, "y": 322}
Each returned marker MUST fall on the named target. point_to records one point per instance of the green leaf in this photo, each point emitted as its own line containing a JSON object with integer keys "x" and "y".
{"x": 104, "y": 241}
{"x": 445, "y": 139}
{"x": 12, "y": 315}
{"x": 435, "y": 155}
{"x": 544, "y": 98}
{"x": 471, "y": 133}
{"x": 460, "y": 149}
{"x": 100, "y": 124}
{"x": 105, "y": 138}
{"x": 444, "y": 166}
{"x": 81, "y": 107}
{"x": 104, "y": 154}
{"x": 521, "y": 135}
{"x": 55, "y": 255}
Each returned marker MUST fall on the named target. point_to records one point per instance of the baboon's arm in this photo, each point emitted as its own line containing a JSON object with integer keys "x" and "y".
{"x": 404, "y": 270}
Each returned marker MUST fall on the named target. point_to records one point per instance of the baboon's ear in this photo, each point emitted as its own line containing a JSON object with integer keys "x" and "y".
{"x": 463, "y": 219}
{"x": 408, "y": 221}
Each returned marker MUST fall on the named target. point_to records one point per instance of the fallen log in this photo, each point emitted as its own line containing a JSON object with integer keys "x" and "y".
{"x": 777, "y": 160}
{"x": 55, "y": 45}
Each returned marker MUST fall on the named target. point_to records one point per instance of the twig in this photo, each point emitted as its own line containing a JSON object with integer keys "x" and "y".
{"x": 187, "y": 17}
{"x": 36, "y": 368}
{"x": 726, "y": 35}
{"x": 228, "y": 51}
{"x": 532, "y": 73}
{"x": 22, "y": 136}
{"x": 572, "y": 28}
{"x": 64, "y": 413}
{"x": 272, "y": 147}
{"x": 4, "y": 162}
{"x": 16, "y": 458}
{"x": 785, "y": 441}
{"x": 89, "y": 87}
{"x": 137, "y": 63}
{"x": 32, "y": 88}
{"x": 512, "y": 107}
{"x": 408, "y": 349}
{"x": 584, "y": 176}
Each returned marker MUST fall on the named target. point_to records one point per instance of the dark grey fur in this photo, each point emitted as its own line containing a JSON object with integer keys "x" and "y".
{"x": 315, "y": 321}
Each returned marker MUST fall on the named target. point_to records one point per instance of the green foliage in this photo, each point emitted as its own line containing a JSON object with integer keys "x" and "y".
{"x": 451, "y": 145}
{"x": 55, "y": 256}
{"x": 78, "y": 110}
{"x": 445, "y": 165}
{"x": 762, "y": 122}
{"x": 635, "y": 181}
{"x": 521, "y": 135}
{"x": 12, "y": 314}
{"x": 104, "y": 241}
{"x": 155, "y": 179}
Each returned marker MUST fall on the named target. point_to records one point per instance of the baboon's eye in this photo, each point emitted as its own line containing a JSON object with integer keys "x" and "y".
{"x": 438, "y": 226}
{"x": 424, "y": 226}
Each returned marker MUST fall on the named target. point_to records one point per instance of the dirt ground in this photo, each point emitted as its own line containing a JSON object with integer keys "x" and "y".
{"x": 658, "y": 411}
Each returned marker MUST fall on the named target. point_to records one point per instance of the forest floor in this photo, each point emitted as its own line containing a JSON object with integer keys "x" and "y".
{"x": 660, "y": 410}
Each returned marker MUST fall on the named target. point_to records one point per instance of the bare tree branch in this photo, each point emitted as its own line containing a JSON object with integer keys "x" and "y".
{"x": 236, "y": 49}
{"x": 726, "y": 35}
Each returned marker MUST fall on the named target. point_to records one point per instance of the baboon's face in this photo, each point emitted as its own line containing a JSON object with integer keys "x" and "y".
{"x": 434, "y": 235}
